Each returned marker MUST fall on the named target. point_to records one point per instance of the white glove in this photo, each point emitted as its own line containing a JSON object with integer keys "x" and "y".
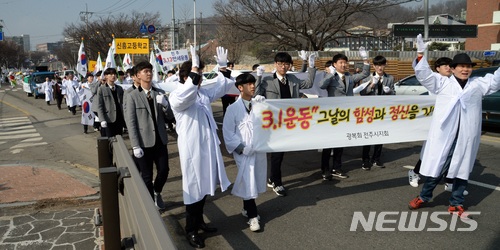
{"x": 376, "y": 78}
{"x": 387, "y": 89}
{"x": 303, "y": 55}
{"x": 138, "y": 153}
{"x": 194, "y": 57}
{"x": 221, "y": 57}
{"x": 362, "y": 53}
{"x": 260, "y": 70}
{"x": 332, "y": 70}
{"x": 259, "y": 98}
{"x": 421, "y": 46}
{"x": 104, "y": 124}
{"x": 248, "y": 150}
{"x": 160, "y": 99}
{"x": 312, "y": 57}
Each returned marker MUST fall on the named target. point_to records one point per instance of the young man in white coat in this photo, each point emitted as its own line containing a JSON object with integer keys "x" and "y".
{"x": 69, "y": 87}
{"x": 47, "y": 89}
{"x": 200, "y": 155}
{"x": 238, "y": 134}
{"x": 455, "y": 131}
{"x": 145, "y": 118}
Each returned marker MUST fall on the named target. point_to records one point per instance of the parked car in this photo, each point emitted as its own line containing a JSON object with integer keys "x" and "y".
{"x": 409, "y": 86}
{"x": 491, "y": 103}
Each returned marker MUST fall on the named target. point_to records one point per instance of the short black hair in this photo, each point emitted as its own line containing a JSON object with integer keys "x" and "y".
{"x": 99, "y": 73}
{"x": 130, "y": 71}
{"x": 229, "y": 64}
{"x": 185, "y": 69}
{"x": 142, "y": 65}
{"x": 339, "y": 57}
{"x": 255, "y": 66}
{"x": 328, "y": 63}
{"x": 283, "y": 57}
{"x": 121, "y": 73}
{"x": 379, "y": 60}
{"x": 244, "y": 78}
{"x": 171, "y": 72}
{"x": 442, "y": 61}
{"x": 110, "y": 71}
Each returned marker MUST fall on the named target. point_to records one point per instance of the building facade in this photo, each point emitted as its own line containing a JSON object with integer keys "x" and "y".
{"x": 486, "y": 15}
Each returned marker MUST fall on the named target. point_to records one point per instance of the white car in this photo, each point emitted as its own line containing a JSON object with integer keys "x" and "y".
{"x": 409, "y": 86}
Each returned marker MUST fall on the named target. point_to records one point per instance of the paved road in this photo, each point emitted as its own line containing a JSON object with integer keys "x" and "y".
{"x": 315, "y": 214}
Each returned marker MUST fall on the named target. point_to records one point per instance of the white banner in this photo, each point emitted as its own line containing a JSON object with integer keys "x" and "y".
{"x": 313, "y": 123}
{"x": 174, "y": 56}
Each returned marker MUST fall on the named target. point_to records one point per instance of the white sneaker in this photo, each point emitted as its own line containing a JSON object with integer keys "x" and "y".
{"x": 244, "y": 213}
{"x": 254, "y": 224}
{"x": 449, "y": 188}
{"x": 413, "y": 178}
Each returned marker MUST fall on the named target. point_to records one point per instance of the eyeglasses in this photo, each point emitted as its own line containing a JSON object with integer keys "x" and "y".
{"x": 280, "y": 64}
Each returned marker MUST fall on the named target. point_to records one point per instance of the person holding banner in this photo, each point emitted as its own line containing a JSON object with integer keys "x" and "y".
{"x": 455, "y": 132}
{"x": 237, "y": 129}
{"x": 379, "y": 83}
{"x": 109, "y": 104}
{"x": 339, "y": 82}
{"x": 145, "y": 118}
{"x": 200, "y": 155}
{"x": 281, "y": 85}
{"x": 86, "y": 98}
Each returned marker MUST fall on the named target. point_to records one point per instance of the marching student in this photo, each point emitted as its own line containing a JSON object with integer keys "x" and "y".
{"x": 455, "y": 132}
{"x": 200, "y": 155}
{"x": 109, "y": 104}
{"x": 47, "y": 89}
{"x": 145, "y": 118}
{"x": 69, "y": 87}
{"x": 381, "y": 83}
{"x": 339, "y": 82}
{"x": 237, "y": 129}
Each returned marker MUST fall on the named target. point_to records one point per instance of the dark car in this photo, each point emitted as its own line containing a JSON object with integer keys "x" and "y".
{"x": 36, "y": 81}
{"x": 491, "y": 103}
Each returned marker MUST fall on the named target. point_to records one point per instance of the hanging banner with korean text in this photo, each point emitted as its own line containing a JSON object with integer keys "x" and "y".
{"x": 175, "y": 56}
{"x": 131, "y": 46}
{"x": 314, "y": 123}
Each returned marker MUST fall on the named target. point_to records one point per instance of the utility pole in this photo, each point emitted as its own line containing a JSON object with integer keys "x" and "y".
{"x": 194, "y": 24}
{"x": 201, "y": 29}
{"x": 173, "y": 27}
{"x": 84, "y": 16}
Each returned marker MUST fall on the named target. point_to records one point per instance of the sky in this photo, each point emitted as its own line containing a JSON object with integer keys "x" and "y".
{"x": 44, "y": 20}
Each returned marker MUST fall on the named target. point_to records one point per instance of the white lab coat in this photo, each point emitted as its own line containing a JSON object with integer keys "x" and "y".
{"x": 454, "y": 106}
{"x": 69, "y": 88}
{"x": 252, "y": 170}
{"x": 199, "y": 146}
{"x": 47, "y": 89}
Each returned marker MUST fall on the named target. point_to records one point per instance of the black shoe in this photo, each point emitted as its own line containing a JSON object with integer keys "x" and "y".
{"x": 195, "y": 240}
{"x": 203, "y": 226}
{"x": 379, "y": 164}
{"x": 279, "y": 190}
{"x": 339, "y": 173}
{"x": 367, "y": 165}
{"x": 327, "y": 177}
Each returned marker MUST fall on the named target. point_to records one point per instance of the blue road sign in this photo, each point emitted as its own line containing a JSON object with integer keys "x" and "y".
{"x": 489, "y": 53}
{"x": 1, "y": 36}
{"x": 143, "y": 28}
{"x": 151, "y": 29}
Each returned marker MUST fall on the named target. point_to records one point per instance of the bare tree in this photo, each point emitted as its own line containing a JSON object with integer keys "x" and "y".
{"x": 11, "y": 54}
{"x": 298, "y": 24}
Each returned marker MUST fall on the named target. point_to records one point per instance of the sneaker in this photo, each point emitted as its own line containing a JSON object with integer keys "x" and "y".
{"x": 413, "y": 178}
{"x": 279, "y": 190}
{"x": 327, "y": 177}
{"x": 366, "y": 165}
{"x": 339, "y": 173}
{"x": 378, "y": 164}
{"x": 415, "y": 203}
{"x": 458, "y": 210}
{"x": 449, "y": 187}
{"x": 254, "y": 224}
{"x": 159, "y": 201}
{"x": 245, "y": 214}
{"x": 269, "y": 183}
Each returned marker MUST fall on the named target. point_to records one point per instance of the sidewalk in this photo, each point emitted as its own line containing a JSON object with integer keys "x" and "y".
{"x": 67, "y": 227}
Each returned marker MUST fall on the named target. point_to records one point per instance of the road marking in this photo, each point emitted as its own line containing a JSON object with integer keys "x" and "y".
{"x": 21, "y": 131}
{"x": 22, "y": 110}
{"x": 25, "y": 145}
{"x": 18, "y": 131}
{"x": 17, "y": 151}
{"x": 15, "y": 128}
{"x": 32, "y": 139}
{"x": 19, "y": 136}
{"x": 470, "y": 181}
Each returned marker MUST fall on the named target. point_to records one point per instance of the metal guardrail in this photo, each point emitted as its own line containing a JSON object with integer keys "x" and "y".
{"x": 129, "y": 217}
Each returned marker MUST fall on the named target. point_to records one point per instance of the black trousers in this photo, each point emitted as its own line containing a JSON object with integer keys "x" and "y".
{"x": 194, "y": 215}
{"x": 226, "y": 101}
{"x": 158, "y": 154}
{"x": 276, "y": 160}
{"x": 377, "y": 151}
{"x": 325, "y": 159}
{"x": 58, "y": 100}
{"x": 250, "y": 207}
{"x": 114, "y": 128}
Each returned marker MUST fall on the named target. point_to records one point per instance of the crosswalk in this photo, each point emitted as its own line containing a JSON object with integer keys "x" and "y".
{"x": 8, "y": 88}
{"x": 19, "y": 133}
